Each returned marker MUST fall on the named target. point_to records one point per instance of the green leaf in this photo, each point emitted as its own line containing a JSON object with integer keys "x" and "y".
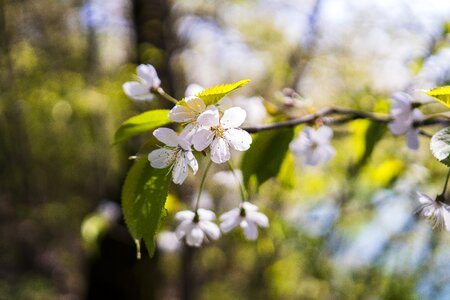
{"x": 442, "y": 94}
{"x": 144, "y": 194}
{"x": 141, "y": 123}
{"x": 265, "y": 157}
{"x": 212, "y": 95}
{"x": 440, "y": 146}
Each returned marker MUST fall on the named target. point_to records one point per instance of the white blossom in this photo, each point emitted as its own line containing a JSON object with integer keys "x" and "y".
{"x": 314, "y": 145}
{"x": 177, "y": 154}
{"x": 247, "y": 216}
{"x": 221, "y": 133}
{"x": 195, "y": 227}
{"x": 435, "y": 210}
{"x": 404, "y": 115}
{"x": 147, "y": 79}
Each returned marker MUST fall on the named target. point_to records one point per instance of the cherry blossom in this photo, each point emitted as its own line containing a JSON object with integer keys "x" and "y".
{"x": 140, "y": 90}
{"x": 247, "y": 216}
{"x": 177, "y": 154}
{"x": 314, "y": 145}
{"x": 221, "y": 133}
{"x": 404, "y": 115}
{"x": 435, "y": 210}
{"x": 196, "y": 227}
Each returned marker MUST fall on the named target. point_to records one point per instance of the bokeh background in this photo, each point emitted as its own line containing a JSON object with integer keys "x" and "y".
{"x": 345, "y": 230}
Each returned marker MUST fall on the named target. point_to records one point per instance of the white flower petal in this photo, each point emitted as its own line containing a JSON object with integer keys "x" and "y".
{"x": 311, "y": 157}
{"x": 399, "y": 127}
{"x": 180, "y": 169}
{"x": 250, "y": 230}
{"x": 210, "y": 117}
{"x": 161, "y": 158}
{"x": 183, "y": 228}
{"x": 137, "y": 90}
{"x": 195, "y": 236}
{"x": 196, "y": 105}
{"x": 324, "y": 134}
{"x": 192, "y": 162}
{"x": 188, "y": 132}
{"x": 181, "y": 114}
{"x": 148, "y": 74}
{"x": 210, "y": 228}
{"x": 202, "y": 139}
{"x": 424, "y": 199}
{"x": 167, "y": 136}
{"x": 446, "y": 218}
{"x": 220, "y": 151}
{"x": 238, "y": 139}
{"x": 325, "y": 153}
{"x": 258, "y": 218}
{"x": 249, "y": 206}
{"x": 233, "y": 117}
{"x": 412, "y": 139}
{"x": 229, "y": 223}
{"x": 185, "y": 215}
{"x": 206, "y": 214}
{"x": 231, "y": 214}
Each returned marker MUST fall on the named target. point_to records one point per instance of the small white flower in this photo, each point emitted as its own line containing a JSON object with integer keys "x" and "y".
{"x": 314, "y": 145}
{"x": 196, "y": 227}
{"x": 221, "y": 133}
{"x": 140, "y": 90}
{"x": 247, "y": 216}
{"x": 404, "y": 115}
{"x": 435, "y": 210}
{"x": 177, "y": 154}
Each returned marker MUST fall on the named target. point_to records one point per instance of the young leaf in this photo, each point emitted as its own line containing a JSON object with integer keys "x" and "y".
{"x": 212, "y": 95}
{"x": 141, "y": 123}
{"x": 442, "y": 94}
{"x": 265, "y": 157}
{"x": 144, "y": 194}
{"x": 440, "y": 146}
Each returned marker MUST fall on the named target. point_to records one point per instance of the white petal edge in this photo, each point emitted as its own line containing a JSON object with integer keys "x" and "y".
{"x": 161, "y": 158}
{"x": 238, "y": 139}
{"x": 210, "y": 117}
{"x": 137, "y": 91}
{"x": 220, "y": 151}
{"x": 166, "y": 136}
{"x": 202, "y": 139}
{"x": 233, "y": 117}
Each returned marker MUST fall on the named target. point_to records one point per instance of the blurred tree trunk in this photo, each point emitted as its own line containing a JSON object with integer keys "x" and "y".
{"x": 116, "y": 273}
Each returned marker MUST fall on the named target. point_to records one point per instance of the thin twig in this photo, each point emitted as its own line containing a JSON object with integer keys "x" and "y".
{"x": 348, "y": 115}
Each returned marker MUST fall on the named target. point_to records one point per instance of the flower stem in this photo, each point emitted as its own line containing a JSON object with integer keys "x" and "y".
{"x": 241, "y": 186}
{"x": 159, "y": 91}
{"x": 202, "y": 183}
{"x": 446, "y": 183}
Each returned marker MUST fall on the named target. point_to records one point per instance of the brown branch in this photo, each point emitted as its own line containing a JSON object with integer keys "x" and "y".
{"x": 348, "y": 116}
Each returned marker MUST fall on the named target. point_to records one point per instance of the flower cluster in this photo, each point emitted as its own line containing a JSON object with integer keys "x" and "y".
{"x": 206, "y": 128}
{"x": 197, "y": 227}
{"x": 313, "y": 146}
